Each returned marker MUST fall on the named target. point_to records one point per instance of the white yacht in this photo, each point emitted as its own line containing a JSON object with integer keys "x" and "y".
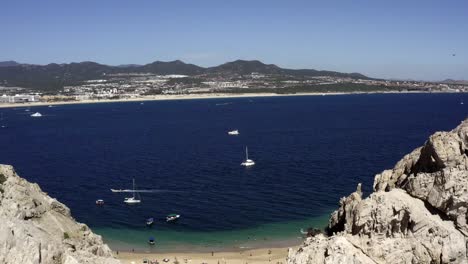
{"x": 233, "y": 132}
{"x": 133, "y": 199}
{"x": 37, "y": 114}
{"x": 248, "y": 162}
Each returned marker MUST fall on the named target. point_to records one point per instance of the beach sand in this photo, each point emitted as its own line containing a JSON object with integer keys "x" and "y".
{"x": 252, "y": 256}
{"x": 152, "y": 98}
{"x": 177, "y": 97}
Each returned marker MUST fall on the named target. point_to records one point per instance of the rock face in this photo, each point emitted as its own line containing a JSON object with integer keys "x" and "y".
{"x": 417, "y": 213}
{"x": 35, "y": 228}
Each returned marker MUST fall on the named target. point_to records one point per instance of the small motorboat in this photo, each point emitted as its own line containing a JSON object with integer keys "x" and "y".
{"x": 172, "y": 217}
{"x": 99, "y": 202}
{"x": 233, "y": 132}
{"x": 151, "y": 241}
{"x": 150, "y": 221}
{"x": 37, "y": 114}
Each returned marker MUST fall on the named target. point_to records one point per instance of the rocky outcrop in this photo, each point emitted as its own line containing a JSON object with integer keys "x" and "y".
{"x": 416, "y": 214}
{"x": 35, "y": 228}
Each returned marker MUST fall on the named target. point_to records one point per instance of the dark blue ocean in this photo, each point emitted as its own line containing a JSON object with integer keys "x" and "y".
{"x": 309, "y": 152}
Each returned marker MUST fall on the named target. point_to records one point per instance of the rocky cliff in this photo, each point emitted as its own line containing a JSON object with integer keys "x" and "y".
{"x": 35, "y": 228}
{"x": 417, "y": 213}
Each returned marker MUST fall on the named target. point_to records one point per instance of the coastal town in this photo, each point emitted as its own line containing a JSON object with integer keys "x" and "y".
{"x": 144, "y": 85}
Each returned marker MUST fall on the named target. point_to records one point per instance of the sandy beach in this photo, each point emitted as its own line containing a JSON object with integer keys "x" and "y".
{"x": 254, "y": 256}
{"x": 179, "y": 97}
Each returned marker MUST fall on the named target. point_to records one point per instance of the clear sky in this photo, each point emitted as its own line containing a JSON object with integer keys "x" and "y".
{"x": 390, "y": 39}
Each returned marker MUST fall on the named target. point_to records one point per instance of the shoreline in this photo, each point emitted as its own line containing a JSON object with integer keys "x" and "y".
{"x": 269, "y": 235}
{"x": 257, "y": 255}
{"x": 191, "y": 97}
{"x": 207, "y": 248}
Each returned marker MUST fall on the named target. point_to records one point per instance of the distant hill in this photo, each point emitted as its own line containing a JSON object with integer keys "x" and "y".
{"x": 54, "y": 76}
{"x": 171, "y": 67}
{"x": 246, "y": 67}
{"x": 128, "y": 65}
{"x": 51, "y": 76}
{"x": 308, "y": 72}
{"x": 8, "y": 63}
{"x": 450, "y": 81}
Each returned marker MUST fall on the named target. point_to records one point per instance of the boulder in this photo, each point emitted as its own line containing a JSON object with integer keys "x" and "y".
{"x": 416, "y": 214}
{"x": 36, "y": 228}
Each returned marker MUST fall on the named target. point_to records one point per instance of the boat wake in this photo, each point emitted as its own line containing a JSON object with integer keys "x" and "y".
{"x": 142, "y": 191}
{"x": 228, "y": 103}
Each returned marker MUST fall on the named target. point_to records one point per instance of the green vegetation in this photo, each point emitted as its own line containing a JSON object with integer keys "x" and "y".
{"x": 186, "y": 80}
{"x": 326, "y": 88}
{"x": 66, "y": 235}
{"x": 53, "y": 77}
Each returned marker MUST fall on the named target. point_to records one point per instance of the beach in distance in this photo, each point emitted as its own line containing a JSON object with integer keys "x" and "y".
{"x": 185, "y": 97}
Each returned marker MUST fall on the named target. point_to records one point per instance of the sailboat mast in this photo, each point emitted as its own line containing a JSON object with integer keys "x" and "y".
{"x": 133, "y": 188}
{"x": 246, "y": 153}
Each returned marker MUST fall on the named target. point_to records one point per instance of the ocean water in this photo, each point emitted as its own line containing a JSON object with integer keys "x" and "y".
{"x": 309, "y": 152}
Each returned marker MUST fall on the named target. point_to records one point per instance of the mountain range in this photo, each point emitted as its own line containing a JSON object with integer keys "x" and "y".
{"x": 54, "y": 76}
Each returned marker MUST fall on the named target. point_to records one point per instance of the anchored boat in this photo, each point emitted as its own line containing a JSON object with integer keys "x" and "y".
{"x": 248, "y": 162}
{"x": 133, "y": 199}
{"x": 150, "y": 221}
{"x": 172, "y": 217}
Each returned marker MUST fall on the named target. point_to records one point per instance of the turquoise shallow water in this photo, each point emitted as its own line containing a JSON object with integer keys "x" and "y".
{"x": 267, "y": 235}
{"x": 309, "y": 151}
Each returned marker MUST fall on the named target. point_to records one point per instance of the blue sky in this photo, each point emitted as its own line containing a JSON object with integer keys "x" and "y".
{"x": 389, "y": 39}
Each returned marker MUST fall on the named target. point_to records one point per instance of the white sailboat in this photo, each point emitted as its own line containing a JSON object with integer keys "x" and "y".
{"x": 233, "y": 132}
{"x": 1, "y": 121}
{"x": 133, "y": 199}
{"x": 248, "y": 162}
